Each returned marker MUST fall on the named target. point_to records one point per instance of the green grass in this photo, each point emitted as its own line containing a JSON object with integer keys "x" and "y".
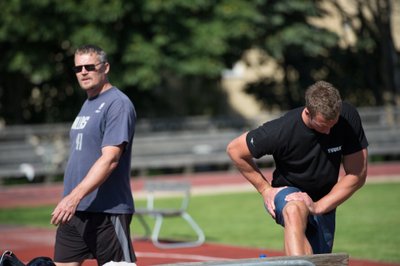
{"x": 368, "y": 225}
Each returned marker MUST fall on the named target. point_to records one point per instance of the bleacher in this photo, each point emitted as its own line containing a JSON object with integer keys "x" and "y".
{"x": 188, "y": 144}
{"x": 34, "y": 150}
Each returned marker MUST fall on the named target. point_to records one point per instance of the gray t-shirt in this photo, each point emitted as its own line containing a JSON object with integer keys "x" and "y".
{"x": 106, "y": 120}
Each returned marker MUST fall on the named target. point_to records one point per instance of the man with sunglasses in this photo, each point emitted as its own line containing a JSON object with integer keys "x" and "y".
{"x": 308, "y": 145}
{"x": 95, "y": 213}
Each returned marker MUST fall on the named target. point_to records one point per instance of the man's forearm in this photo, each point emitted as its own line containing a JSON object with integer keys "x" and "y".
{"x": 356, "y": 167}
{"x": 343, "y": 190}
{"x": 248, "y": 168}
{"x": 252, "y": 173}
{"x": 241, "y": 157}
{"x": 96, "y": 176}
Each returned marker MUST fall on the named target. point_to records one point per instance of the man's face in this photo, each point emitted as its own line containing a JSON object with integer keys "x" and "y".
{"x": 93, "y": 73}
{"x": 320, "y": 124}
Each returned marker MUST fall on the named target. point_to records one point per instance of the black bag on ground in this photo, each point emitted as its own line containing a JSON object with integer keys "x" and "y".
{"x": 9, "y": 259}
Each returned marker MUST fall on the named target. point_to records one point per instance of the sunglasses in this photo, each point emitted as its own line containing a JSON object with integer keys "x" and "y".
{"x": 91, "y": 67}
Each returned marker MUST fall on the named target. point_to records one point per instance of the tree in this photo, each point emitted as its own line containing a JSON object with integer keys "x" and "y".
{"x": 377, "y": 61}
{"x": 168, "y": 55}
{"x": 367, "y": 71}
{"x": 299, "y": 48}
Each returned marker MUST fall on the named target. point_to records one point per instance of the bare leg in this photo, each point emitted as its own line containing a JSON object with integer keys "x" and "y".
{"x": 295, "y": 214}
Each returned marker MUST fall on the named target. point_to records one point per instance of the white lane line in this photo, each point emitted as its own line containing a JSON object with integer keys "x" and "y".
{"x": 177, "y": 256}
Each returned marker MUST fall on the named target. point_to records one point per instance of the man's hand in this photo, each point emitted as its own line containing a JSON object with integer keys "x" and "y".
{"x": 304, "y": 197}
{"x": 65, "y": 210}
{"x": 269, "y": 197}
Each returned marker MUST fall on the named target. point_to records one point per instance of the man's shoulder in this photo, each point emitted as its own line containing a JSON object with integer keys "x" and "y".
{"x": 349, "y": 112}
{"x": 295, "y": 111}
{"x": 291, "y": 118}
{"x": 348, "y": 107}
{"x": 293, "y": 114}
{"x": 116, "y": 93}
{"x": 119, "y": 97}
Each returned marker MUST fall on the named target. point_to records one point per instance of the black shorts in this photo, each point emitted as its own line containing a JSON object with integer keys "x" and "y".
{"x": 101, "y": 236}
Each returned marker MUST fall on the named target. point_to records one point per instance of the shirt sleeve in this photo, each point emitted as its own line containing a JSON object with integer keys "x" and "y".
{"x": 356, "y": 139}
{"x": 264, "y": 139}
{"x": 119, "y": 123}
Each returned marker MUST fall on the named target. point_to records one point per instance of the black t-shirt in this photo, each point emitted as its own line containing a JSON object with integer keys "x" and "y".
{"x": 303, "y": 157}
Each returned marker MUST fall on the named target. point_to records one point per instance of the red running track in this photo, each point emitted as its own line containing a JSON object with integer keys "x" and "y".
{"x": 27, "y": 242}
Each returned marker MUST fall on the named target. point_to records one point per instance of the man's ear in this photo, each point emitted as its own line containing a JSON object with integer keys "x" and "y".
{"x": 307, "y": 112}
{"x": 107, "y": 66}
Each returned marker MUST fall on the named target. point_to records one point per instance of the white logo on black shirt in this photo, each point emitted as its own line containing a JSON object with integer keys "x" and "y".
{"x": 252, "y": 141}
{"x": 335, "y": 149}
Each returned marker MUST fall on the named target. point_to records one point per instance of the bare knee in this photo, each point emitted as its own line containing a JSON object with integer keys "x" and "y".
{"x": 295, "y": 213}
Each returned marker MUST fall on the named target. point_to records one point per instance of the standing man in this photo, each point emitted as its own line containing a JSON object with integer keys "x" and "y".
{"x": 308, "y": 145}
{"x": 94, "y": 215}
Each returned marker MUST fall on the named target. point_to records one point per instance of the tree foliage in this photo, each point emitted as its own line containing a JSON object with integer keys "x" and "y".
{"x": 366, "y": 71}
{"x": 373, "y": 61}
{"x": 167, "y": 56}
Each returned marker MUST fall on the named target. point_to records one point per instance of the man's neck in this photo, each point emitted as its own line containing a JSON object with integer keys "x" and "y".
{"x": 94, "y": 92}
{"x": 305, "y": 117}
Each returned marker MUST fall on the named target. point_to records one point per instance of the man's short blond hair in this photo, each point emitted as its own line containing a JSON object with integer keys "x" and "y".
{"x": 322, "y": 97}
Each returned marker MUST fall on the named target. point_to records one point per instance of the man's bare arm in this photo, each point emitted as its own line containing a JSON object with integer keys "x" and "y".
{"x": 240, "y": 155}
{"x": 97, "y": 174}
{"x": 355, "y": 167}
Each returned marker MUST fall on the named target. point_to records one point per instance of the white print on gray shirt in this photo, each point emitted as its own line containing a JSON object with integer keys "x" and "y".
{"x": 80, "y": 122}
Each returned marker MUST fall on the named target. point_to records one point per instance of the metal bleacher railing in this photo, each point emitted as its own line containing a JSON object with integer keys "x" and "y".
{"x": 189, "y": 143}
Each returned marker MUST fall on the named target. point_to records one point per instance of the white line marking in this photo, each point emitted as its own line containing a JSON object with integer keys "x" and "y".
{"x": 177, "y": 256}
